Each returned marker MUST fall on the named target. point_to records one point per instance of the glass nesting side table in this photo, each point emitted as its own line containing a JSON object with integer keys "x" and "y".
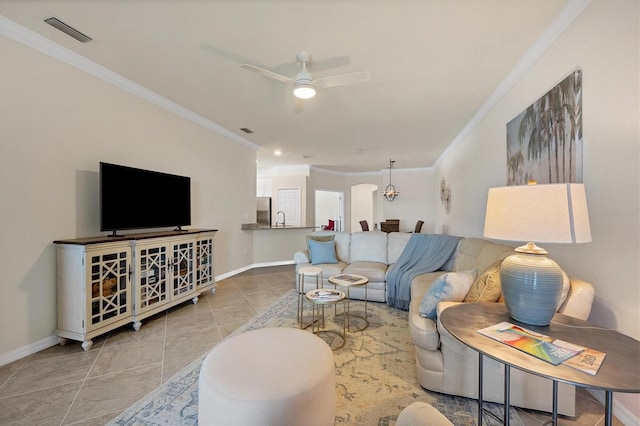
{"x": 319, "y": 298}
{"x": 347, "y": 281}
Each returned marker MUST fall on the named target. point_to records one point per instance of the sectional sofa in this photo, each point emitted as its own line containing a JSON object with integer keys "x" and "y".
{"x": 443, "y": 364}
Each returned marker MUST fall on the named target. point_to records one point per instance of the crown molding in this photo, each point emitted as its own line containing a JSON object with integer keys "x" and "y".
{"x": 36, "y": 41}
{"x": 561, "y": 22}
{"x": 371, "y": 173}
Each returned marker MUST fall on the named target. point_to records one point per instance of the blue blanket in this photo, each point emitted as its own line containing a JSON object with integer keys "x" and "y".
{"x": 423, "y": 253}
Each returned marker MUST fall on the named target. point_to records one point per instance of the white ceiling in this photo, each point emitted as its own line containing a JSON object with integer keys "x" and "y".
{"x": 433, "y": 64}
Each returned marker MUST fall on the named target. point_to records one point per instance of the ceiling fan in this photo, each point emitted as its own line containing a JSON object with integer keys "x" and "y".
{"x": 304, "y": 87}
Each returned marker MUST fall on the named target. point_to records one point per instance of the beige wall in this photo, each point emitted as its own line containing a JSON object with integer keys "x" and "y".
{"x": 414, "y": 201}
{"x": 56, "y": 124}
{"x": 604, "y": 42}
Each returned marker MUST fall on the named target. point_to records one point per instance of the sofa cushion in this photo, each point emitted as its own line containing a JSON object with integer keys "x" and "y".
{"x": 368, "y": 247}
{"x": 374, "y": 271}
{"x": 396, "y": 241}
{"x": 317, "y": 238}
{"x": 486, "y": 288}
{"x": 322, "y": 252}
{"x": 421, "y": 283}
{"x": 450, "y": 287}
{"x": 479, "y": 254}
{"x": 343, "y": 241}
{"x": 329, "y": 269}
{"x": 449, "y": 264}
{"x": 423, "y": 330}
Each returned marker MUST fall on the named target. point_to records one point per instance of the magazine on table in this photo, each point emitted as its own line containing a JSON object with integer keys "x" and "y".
{"x": 349, "y": 278}
{"x": 588, "y": 361}
{"x": 325, "y": 294}
{"x": 553, "y": 351}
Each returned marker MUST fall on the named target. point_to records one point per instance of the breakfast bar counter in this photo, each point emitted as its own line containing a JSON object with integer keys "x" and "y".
{"x": 273, "y": 245}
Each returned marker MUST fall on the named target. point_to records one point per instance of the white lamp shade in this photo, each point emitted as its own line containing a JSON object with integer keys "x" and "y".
{"x": 554, "y": 213}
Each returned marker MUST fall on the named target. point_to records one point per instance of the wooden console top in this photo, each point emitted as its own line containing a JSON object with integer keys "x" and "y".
{"x": 128, "y": 237}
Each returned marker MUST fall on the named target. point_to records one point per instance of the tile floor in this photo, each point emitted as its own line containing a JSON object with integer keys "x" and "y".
{"x": 64, "y": 385}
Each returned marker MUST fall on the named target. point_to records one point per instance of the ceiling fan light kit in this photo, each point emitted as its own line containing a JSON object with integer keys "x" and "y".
{"x": 304, "y": 86}
{"x": 304, "y": 90}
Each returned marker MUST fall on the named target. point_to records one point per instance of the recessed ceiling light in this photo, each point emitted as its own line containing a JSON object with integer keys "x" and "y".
{"x": 277, "y": 152}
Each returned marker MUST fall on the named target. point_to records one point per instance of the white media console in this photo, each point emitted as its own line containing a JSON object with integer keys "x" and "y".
{"x": 107, "y": 282}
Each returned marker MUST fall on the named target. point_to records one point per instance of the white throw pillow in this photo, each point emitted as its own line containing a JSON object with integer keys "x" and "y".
{"x": 450, "y": 287}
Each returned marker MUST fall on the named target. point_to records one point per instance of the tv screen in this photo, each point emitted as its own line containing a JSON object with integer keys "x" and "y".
{"x": 132, "y": 198}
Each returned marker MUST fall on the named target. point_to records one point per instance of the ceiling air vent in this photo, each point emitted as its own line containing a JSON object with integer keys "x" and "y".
{"x": 70, "y": 31}
{"x": 248, "y": 131}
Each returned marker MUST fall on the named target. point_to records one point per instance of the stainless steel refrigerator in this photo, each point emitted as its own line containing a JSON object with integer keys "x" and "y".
{"x": 264, "y": 211}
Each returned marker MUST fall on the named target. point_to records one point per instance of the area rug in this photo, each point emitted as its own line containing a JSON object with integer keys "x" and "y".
{"x": 375, "y": 375}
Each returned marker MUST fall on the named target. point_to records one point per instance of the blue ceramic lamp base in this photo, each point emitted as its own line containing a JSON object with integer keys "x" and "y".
{"x": 531, "y": 286}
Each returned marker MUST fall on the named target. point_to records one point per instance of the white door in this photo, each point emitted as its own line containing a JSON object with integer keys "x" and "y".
{"x": 289, "y": 203}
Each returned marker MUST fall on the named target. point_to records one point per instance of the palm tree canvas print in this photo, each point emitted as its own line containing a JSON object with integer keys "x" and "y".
{"x": 544, "y": 142}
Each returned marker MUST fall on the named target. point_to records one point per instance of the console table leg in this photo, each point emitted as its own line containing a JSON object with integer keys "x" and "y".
{"x": 554, "y": 414}
{"x": 608, "y": 405}
{"x": 480, "y": 374}
{"x": 507, "y": 391}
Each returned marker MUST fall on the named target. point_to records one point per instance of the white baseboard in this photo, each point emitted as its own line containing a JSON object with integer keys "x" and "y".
{"x": 28, "y": 350}
{"x": 252, "y": 266}
{"x": 620, "y": 411}
{"x": 267, "y": 264}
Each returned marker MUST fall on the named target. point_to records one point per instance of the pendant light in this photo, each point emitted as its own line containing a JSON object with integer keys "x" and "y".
{"x": 390, "y": 192}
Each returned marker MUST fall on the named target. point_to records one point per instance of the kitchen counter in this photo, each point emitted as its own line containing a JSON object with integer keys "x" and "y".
{"x": 260, "y": 227}
{"x": 273, "y": 245}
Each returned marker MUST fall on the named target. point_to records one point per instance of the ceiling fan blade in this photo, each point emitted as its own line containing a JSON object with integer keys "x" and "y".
{"x": 267, "y": 73}
{"x": 342, "y": 79}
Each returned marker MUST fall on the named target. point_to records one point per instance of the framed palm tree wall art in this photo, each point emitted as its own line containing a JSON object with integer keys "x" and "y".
{"x": 544, "y": 142}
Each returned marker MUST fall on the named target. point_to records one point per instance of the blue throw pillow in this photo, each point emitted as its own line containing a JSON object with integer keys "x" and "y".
{"x": 450, "y": 287}
{"x": 322, "y": 252}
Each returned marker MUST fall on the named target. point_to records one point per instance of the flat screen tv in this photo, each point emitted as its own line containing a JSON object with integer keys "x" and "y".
{"x": 132, "y": 198}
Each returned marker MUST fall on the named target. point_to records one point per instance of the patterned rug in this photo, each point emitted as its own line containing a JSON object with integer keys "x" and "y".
{"x": 375, "y": 374}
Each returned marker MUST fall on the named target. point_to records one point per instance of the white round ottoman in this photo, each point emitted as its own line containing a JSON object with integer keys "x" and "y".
{"x": 270, "y": 376}
{"x": 422, "y": 414}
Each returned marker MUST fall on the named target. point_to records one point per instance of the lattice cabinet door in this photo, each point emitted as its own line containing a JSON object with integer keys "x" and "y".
{"x": 109, "y": 278}
{"x": 152, "y": 275}
{"x": 182, "y": 254}
{"x": 204, "y": 262}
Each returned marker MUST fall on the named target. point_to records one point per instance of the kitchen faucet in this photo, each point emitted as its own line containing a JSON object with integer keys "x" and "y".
{"x": 284, "y": 218}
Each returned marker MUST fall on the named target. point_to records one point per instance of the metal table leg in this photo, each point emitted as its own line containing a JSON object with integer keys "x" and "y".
{"x": 480, "y": 375}
{"x": 507, "y": 391}
{"x": 554, "y": 414}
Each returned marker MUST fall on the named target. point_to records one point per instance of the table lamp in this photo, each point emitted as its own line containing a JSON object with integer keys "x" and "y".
{"x": 553, "y": 213}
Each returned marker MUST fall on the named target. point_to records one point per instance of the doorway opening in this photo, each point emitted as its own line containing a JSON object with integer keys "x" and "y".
{"x": 330, "y": 210}
{"x": 363, "y": 206}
